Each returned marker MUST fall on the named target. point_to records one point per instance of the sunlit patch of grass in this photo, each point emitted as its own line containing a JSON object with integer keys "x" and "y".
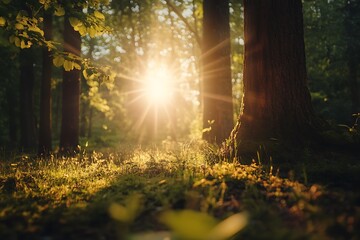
{"x": 87, "y": 196}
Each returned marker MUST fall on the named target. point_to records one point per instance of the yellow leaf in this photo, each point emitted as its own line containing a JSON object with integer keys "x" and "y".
{"x": 81, "y": 30}
{"x": 68, "y": 65}
{"x": 85, "y": 74}
{"x": 2, "y": 21}
{"x": 77, "y": 66}
{"x": 19, "y": 17}
{"x": 22, "y": 44}
{"x": 36, "y": 29}
{"x": 19, "y": 26}
{"x": 99, "y": 15}
{"x": 59, "y": 11}
{"x": 75, "y": 22}
{"x": 58, "y": 61}
{"x": 12, "y": 39}
{"x": 17, "y": 41}
{"x": 25, "y": 45}
{"x": 92, "y": 32}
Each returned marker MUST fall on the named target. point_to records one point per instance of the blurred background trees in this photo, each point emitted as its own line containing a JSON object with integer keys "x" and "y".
{"x": 144, "y": 41}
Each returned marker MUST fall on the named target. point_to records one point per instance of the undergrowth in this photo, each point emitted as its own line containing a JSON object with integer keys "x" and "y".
{"x": 178, "y": 191}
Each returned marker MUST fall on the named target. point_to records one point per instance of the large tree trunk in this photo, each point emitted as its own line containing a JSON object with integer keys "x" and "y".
{"x": 277, "y": 103}
{"x": 217, "y": 86}
{"x": 27, "y": 117}
{"x": 45, "y": 100}
{"x": 69, "y": 136}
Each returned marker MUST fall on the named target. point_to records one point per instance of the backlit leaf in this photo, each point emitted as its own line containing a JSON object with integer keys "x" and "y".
{"x": 36, "y": 29}
{"x": 229, "y": 227}
{"x": 85, "y": 74}
{"x": 68, "y": 65}
{"x": 75, "y": 22}
{"x": 59, "y": 11}
{"x": 99, "y": 15}
{"x": 58, "y": 61}
{"x": 19, "y": 26}
{"x": 188, "y": 224}
{"x": 17, "y": 41}
{"x": 92, "y": 32}
{"x": 77, "y": 66}
{"x": 24, "y": 44}
{"x": 2, "y": 21}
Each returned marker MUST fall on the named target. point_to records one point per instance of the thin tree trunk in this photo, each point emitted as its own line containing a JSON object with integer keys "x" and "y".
{"x": 27, "y": 118}
{"x": 352, "y": 54}
{"x": 84, "y": 120}
{"x": 216, "y": 67}
{"x": 69, "y": 136}
{"x": 12, "y": 120}
{"x": 45, "y": 100}
{"x": 85, "y": 106}
{"x": 90, "y": 122}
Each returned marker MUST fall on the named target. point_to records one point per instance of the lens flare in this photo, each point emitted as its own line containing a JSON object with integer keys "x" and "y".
{"x": 158, "y": 86}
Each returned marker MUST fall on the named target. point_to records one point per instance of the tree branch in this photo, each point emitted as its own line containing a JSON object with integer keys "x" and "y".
{"x": 182, "y": 18}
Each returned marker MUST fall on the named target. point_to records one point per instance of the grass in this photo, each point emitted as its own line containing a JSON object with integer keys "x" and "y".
{"x": 179, "y": 191}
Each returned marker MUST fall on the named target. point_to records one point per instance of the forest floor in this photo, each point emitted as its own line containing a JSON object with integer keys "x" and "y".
{"x": 178, "y": 191}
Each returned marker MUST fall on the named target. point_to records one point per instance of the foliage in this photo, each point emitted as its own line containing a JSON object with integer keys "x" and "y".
{"x": 327, "y": 44}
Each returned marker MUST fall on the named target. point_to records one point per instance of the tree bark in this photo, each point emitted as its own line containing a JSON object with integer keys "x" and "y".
{"x": 27, "y": 117}
{"x": 216, "y": 68}
{"x": 12, "y": 114}
{"x": 69, "y": 136}
{"x": 45, "y": 100}
{"x": 352, "y": 9}
{"x": 277, "y": 102}
{"x": 85, "y": 104}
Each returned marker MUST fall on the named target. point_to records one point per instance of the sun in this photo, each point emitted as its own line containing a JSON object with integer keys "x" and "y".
{"x": 158, "y": 85}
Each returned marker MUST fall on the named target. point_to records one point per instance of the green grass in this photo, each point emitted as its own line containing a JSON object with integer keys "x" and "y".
{"x": 180, "y": 190}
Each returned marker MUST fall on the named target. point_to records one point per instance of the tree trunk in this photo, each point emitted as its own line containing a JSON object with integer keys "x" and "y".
{"x": 216, "y": 67}
{"x": 89, "y": 134}
{"x": 27, "y": 117}
{"x": 352, "y": 49}
{"x": 85, "y": 103}
{"x": 69, "y": 136}
{"x": 277, "y": 102}
{"x": 12, "y": 114}
{"x": 45, "y": 100}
